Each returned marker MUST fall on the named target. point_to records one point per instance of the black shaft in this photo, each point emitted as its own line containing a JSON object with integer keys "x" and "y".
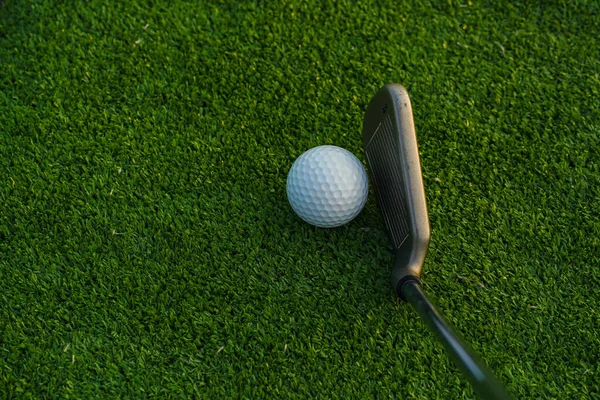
{"x": 484, "y": 382}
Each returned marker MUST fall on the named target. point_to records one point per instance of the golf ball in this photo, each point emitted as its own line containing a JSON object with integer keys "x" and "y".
{"x": 327, "y": 186}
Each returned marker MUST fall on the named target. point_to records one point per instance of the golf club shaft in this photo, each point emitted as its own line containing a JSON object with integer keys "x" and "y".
{"x": 484, "y": 382}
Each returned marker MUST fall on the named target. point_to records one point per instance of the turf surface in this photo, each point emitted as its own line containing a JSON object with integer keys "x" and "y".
{"x": 146, "y": 243}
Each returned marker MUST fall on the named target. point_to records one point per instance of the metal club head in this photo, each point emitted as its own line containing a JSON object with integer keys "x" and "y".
{"x": 390, "y": 145}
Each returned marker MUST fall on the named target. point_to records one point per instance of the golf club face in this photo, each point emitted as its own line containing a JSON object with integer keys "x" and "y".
{"x": 390, "y": 145}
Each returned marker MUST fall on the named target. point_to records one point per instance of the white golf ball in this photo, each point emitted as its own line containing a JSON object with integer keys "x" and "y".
{"x": 327, "y": 186}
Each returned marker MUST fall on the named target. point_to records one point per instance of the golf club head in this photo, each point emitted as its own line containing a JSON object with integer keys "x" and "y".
{"x": 390, "y": 145}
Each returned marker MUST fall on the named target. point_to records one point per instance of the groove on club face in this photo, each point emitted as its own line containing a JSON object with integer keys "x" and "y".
{"x": 390, "y": 145}
{"x": 382, "y": 151}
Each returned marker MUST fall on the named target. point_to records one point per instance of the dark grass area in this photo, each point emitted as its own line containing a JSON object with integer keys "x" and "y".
{"x": 146, "y": 243}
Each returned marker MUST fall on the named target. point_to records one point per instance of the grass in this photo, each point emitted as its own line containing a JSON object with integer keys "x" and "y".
{"x": 146, "y": 245}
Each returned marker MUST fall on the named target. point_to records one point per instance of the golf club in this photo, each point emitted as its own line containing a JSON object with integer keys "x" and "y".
{"x": 390, "y": 145}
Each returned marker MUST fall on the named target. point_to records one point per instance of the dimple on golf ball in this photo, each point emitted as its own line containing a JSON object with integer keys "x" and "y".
{"x": 327, "y": 186}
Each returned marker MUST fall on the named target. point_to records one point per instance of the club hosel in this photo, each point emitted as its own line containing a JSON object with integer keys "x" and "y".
{"x": 409, "y": 263}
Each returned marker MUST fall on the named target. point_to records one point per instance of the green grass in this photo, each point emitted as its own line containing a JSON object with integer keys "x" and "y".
{"x": 147, "y": 248}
